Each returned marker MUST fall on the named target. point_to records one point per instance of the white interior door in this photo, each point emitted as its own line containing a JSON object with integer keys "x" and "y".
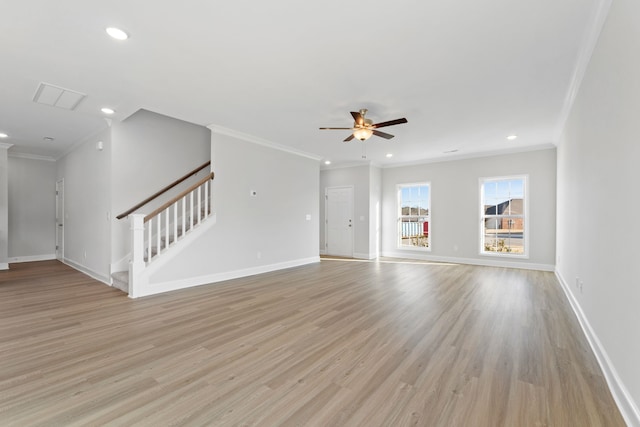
{"x": 339, "y": 221}
{"x": 60, "y": 219}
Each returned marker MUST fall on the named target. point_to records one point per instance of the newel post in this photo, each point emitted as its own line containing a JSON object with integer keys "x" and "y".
{"x": 136, "y": 265}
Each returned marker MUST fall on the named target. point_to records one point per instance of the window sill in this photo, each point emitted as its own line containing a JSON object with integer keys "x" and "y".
{"x": 414, "y": 248}
{"x": 505, "y": 255}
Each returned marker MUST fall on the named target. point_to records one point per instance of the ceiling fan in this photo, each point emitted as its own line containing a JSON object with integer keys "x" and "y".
{"x": 363, "y": 128}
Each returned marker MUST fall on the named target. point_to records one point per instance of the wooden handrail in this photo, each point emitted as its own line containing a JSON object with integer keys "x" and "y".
{"x": 164, "y": 190}
{"x": 178, "y": 197}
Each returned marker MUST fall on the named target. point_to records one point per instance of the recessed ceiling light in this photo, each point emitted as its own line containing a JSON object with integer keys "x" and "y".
{"x": 108, "y": 110}
{"x": 389, "y": 155}
{"x": 512, "y": 137}
{"x": 48, "y": 138}
{"x": 3, "y": 135}
{"x": 117, "y": 33}
{"x": 327, "y": 162}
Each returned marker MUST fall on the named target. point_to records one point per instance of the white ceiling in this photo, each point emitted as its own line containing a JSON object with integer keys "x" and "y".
{"x": 465, "y": 73}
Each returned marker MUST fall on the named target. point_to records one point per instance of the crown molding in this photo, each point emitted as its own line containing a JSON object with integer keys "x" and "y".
{"x": 31, "y": 157}
{"x": 475, "y": 155}
{"x": 588, "y": 45}
{"x": 261, "y": 141}
{"x": 347, "y": 165}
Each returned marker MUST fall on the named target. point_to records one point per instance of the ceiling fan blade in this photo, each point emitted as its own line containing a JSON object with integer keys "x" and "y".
{"x": 349, "y": 138}
{"x": 382, "y": 134}
{"x": 358, "y": 118}
{"x": 389, "y": 123}
{"x": 336, "y": 128}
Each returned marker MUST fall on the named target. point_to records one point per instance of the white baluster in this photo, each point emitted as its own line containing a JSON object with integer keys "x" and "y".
{"x": 191, "y": 211}
{"x": 184, "y": 215}
{"x": 149, "y": 239}
{"x": 175, "y": 222}
{"x": 166, "y": 228}
{"x": 158, "y": 233}
{"x": 199, "y": 190}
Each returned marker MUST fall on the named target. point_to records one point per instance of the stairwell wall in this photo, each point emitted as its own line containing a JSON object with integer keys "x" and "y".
{"x": 149, "y": 151}
{"x": 277, "y": 228}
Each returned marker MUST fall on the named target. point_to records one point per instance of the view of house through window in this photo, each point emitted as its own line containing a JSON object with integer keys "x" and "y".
{"x": 414, "y": 203}
{"x": 503, "y": 202}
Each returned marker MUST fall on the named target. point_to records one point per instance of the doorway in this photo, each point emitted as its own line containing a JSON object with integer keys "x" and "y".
{"x": 339, "y": 221}
{"x": 60, "y": 220}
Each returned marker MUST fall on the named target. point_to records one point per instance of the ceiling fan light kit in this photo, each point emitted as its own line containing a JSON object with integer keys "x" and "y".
{"x": 364, "y": 128}
{"x": 362, "y": 133}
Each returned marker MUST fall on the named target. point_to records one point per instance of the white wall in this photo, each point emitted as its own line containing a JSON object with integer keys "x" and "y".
{"x": 149, "y": 152}
{"x": 375, "y": 211}
{"x": 358, "y": 177}
{"x": 32, "y": 209}
{"x": 598, "y": 175}
{"x": 87, "y": 173}
{"x": 4, "y": 207}
{"x": 455, "y": 211}
{"x": 252, "y": 234}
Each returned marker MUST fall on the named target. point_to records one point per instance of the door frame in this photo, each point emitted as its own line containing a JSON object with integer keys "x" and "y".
{"x": 60, "y": 211}
{"x": 326, "y": 216}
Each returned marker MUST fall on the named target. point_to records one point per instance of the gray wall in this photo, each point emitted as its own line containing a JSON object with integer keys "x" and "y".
{"x": 32, "y": 209}
{"x": 4, "y": 207}
{"x": 598, "y": 178}
{"x": 150, "y": 151}
{"x": 253, "y": 234}
{"x": 455, "y": 211}
{"x": 375, "y": 211}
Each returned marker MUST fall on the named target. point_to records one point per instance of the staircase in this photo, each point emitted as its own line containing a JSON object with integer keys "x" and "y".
{"x": 162, "y": 231}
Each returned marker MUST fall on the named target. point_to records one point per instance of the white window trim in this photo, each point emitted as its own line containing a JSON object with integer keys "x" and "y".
{"x": 527, "y": 219}
{"x": 399, "y": 244}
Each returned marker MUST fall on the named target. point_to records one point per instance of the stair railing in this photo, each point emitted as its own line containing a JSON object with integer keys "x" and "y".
{"x": 154, "y": 233}
{"x": 162, "y": 191}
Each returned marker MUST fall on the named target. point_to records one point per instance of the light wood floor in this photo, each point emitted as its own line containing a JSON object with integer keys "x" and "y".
{"x": 331, "y": 344}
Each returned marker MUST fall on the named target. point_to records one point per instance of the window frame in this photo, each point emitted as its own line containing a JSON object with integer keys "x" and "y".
{"x": 525, "y": 216}
{"x": 399, "y": 188}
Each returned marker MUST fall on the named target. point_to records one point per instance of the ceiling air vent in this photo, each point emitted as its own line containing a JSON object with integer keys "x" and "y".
{"x": 56, "y": 96}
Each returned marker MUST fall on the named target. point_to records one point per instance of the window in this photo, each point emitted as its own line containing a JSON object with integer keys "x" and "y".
{"x": 503, "y": 204}
{"x": 414, "y": 216}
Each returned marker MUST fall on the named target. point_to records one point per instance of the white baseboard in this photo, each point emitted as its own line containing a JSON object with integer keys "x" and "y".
{"x": 174, "y": 285}
{"x": 506, "y": 263}
{"x": 32, "y": 258}
{"x": 621, "y": 395}
{"x": 86, "y": 270}
{"x": 355, "y": 255}
{"x": 4, "y": 266}
{"x": 364, "y": 256}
